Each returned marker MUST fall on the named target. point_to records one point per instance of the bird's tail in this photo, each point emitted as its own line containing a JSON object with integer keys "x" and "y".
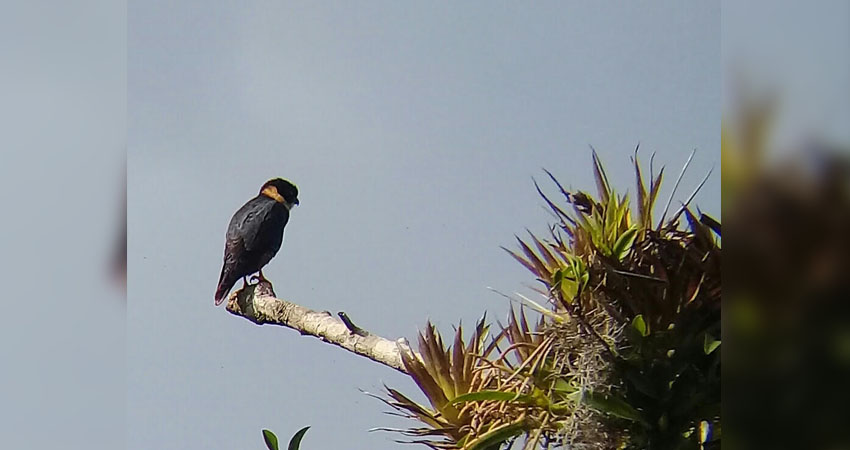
{"x": 225, "y": 282}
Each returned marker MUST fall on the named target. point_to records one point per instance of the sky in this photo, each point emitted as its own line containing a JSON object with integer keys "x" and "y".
{"x": 413, "y": 132}
{"x": 800, "y": 54}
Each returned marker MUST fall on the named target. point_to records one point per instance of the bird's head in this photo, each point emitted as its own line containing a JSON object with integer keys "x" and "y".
{"x": 281, "y": 191}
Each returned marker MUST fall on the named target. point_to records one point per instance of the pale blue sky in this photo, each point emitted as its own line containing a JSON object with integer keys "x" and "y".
{"x": 798, "y": 52}
{"x": 413, "y": 132}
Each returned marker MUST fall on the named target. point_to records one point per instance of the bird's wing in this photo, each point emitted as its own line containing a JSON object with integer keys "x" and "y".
{"x": 250, "y": 223}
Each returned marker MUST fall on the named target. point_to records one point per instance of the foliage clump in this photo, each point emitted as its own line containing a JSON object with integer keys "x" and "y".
{"x": 626, "y": 353}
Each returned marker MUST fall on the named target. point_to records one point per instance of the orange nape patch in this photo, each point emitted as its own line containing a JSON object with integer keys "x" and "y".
{"x": 271, "y": 192}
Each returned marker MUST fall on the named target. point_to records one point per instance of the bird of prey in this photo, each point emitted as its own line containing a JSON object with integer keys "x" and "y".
{"x": 255, "y": 234}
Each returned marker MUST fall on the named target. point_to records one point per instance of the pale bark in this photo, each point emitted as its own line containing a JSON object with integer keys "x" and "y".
{"x": 258, "y": 304}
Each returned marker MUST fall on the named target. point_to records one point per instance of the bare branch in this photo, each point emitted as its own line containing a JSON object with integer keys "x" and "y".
{"x": 258, "y": 304}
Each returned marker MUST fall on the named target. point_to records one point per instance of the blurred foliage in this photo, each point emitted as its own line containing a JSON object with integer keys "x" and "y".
{"x": 626, "y": 353}
{"x": 788, "y": 280}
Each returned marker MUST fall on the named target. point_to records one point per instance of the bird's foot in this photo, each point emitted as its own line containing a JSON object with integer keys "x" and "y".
{"x": 259, "y": 278}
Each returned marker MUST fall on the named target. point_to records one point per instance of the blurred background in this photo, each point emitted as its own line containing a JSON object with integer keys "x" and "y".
{"x": 786, "y": 205}
{"x": 63, "y": 147}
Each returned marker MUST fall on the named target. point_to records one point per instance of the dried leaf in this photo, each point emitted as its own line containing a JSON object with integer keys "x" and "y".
{"x": 675, "y": 187}
{"x": 691, "y": 197}
{"x": 566, "y": 194}
{"x": 557, "y": 210}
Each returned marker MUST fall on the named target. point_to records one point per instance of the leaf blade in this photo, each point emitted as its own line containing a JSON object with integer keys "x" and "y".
{"x": 640, "y": 325}
{"x": 710, "y": 344}
{"x": 600, "y": 177}
{"x": 624, "y": 243}
{"x": 611, "y": 404}
{"x": 270, "y": 440}
{"x": 295, "y": 442}
{"x": 492, "y": 395}
{"x": 493, "y": 438}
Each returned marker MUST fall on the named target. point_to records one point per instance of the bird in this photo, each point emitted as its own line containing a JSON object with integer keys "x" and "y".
{"x": 255, "y": 234}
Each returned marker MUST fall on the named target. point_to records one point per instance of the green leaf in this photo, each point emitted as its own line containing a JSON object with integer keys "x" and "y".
{"x": 610, "y": 224}
{"x": 557, "y": 277}
{"x": 563, "y": 386}
{"x": 271, "y": 440}
{"x": 624, "y": 243}
{"x": 495, "y": 437}
{"x": 710, "y": 344}
{"x": 653, "y": 194}
{"x": 580, "y": 272}
{"x": 295, "y": 442}
{"x": 639, "y": 325}
{"x": 569, "y": 289}
{"x": 612, "y": 405}
{"x": 494, "y": 395}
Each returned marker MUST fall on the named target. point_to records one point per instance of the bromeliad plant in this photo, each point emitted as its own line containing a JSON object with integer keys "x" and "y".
{"x": 625, "y": 355}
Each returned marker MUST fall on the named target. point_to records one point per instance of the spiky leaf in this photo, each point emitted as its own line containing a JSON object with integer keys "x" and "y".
{"x": 495, "y": 396}
{"x": 624, "y": 243}
{"x": 496, "y": 436}
{"x": 601, "y": 178}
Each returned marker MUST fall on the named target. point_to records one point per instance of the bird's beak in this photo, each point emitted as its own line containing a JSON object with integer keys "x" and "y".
{"x": 295, "y": 202}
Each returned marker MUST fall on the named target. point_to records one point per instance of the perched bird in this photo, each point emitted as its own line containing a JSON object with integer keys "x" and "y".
{"x": 255, "y": 234}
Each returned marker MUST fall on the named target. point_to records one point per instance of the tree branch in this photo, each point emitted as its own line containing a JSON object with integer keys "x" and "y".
{"x": 258, "y": 304}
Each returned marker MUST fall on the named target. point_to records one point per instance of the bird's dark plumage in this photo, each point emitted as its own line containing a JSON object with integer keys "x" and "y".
{"x": 255, "y": 233}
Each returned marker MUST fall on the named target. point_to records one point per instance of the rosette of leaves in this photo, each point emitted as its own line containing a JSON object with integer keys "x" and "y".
{"x": 444, "y": 375}
{"x": 651, "y": 295}
{"x": 626, "y": 355}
